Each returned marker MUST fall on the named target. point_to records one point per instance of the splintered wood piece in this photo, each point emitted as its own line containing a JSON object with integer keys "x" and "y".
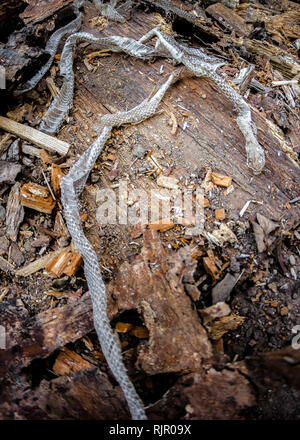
{"x": 37, "y": 197}
{"x": 162, "y": 225}
{"x": 211, "y": 268}
{"x": 140, "y": 332}
{"x": 14, "y": 212}
{"x": 68, "y": 362}
{"x": 5, "y": 143}
{"x": 45, "y": 157}
{"x": 167, "y": 182}
{"x": 52, "y": 328}
{"x": 152, "y": 283}
{"x": 123, "y": 327}
{"x": 56, "y": 175}
{"x": 220, "y": 214}
{"x": 34, "y": 136}
{"x": 220, "y": 180}
{"x": 38, "y": 264}
{"x": 224, "y": 325}
{"x": 5, "y": 265}
{"x": 66, "y": 262}
{"x": 228, "y": 18}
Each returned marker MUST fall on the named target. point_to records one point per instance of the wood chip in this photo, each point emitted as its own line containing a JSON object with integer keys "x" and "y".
{"x": 44, "y": 156}
{"x": 5, "y": 143}
{"x": 228, "y": 18}
{"x": 66, "y": 262}
{"x": 140, "y": 332}
{"x": 5, "y": 265}
{"x": 14, "y": 212}
{"x": 68, "y": 362}
{"x": 9, "y": 171}
{"x": 123, "y": 327}
{"x": 220, "y": 180}
{"x": 56, "y": 175}
{"x": 211, "y": 268}
{"x": 167, "y": 182}
{"x": 224, "y": 325}
{"x": 220, "y": 214}
{"x": 37, "y": 197}
{"x": 38, "y": 264}
{"x": 162, "y": 226}
{"x": 34, "y": 136}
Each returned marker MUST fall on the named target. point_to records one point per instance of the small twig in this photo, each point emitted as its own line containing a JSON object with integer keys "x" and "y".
{"x": 49, "y": 187}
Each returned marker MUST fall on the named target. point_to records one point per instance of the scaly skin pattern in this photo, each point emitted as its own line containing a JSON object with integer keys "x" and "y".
{"x": 194, "y": 63}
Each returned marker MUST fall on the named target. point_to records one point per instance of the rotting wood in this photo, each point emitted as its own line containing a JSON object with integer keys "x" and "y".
{"x": 34, "y": 136}
{"x": 69, "y": 361}
{"x": 45, "y": 332}
{"x": 38, "y": 11}
{"x": 228, "y": 18}
{"x": 158, "y": 295}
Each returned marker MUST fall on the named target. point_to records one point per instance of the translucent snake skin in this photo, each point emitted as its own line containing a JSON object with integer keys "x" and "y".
{"x": 194, "y": 62}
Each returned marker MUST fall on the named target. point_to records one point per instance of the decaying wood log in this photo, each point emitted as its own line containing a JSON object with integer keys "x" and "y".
{"x": 83, "y": 395}
{"x": 38, "y": 336}
{"x": 210, "y": 395}
{"x": 228, "y": 18}
{"x": 153, "y": 284}
{"x": 37, "y": 11}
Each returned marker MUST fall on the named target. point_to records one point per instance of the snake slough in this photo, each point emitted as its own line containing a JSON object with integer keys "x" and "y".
{"x": 194, "y": 62}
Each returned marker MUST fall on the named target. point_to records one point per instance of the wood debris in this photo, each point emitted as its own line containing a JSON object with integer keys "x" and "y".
{"x": 123, "y": 327}
{"x": 68, "y": 362}
{"x": 220, "y": 180}
{"x": 224, "y": 325}
{"x": 37, "y": 197}
{"x": 66, "y": 262}
{"x": 56, "y": 175}
{"x": 14, "y": 212}
{"x": 34, "y": 136}
{"x": 9, "y": 171}
{"x": 220, "y": 214}
{"x": 228, "y": 18}
{"x": 162, "y": 225}
{"x": 167, "y": 182}
{"x": 38, "y": 264}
